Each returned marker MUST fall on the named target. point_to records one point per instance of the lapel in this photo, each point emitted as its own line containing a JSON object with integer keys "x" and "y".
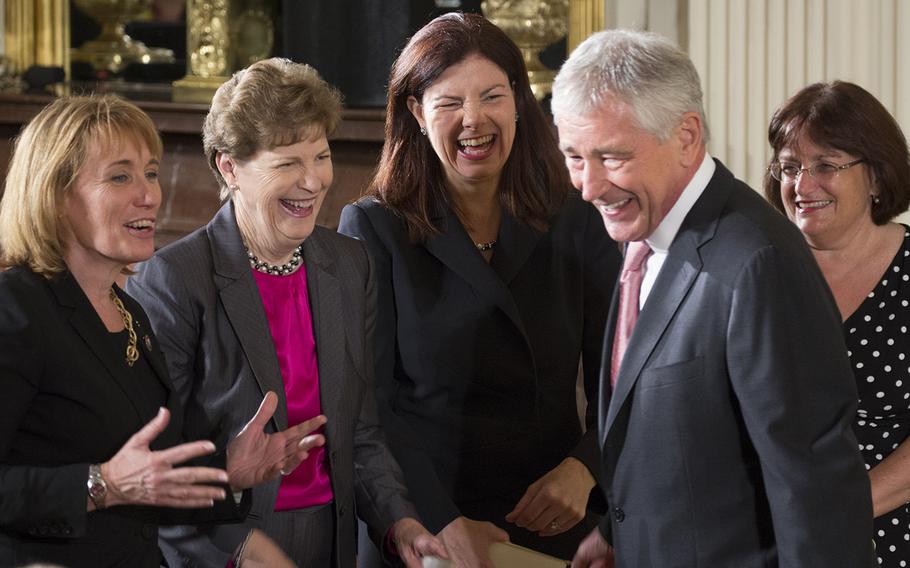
{"x": 145, "y": 339}
{"x": 327, "y": 307}
{"x": 243, "y": 305}
{"x": 678, "y": 273}
{"x": 90, "y": 328}
{"x": 519, "y": 240}
{"x": 453, "y": 247}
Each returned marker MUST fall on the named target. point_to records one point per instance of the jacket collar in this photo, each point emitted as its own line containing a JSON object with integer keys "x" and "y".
{"x": 89, "y": 327}
{"x": 515, "y": 244}
{"x": 678, "y": 274}
{"x": 243, "y": 305}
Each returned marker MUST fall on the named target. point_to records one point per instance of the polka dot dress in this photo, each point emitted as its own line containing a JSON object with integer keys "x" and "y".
{"x": 878, "y": 340}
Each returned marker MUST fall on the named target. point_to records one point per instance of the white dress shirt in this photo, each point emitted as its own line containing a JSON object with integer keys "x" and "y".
{"x": 662, "y": 237}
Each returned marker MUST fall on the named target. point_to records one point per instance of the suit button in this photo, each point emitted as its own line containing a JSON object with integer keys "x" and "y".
{"x": 619, "y": 514}
{"x": 67, "y": 530}
{"x": 43, "y": 531}
{"x": 32, "y": 531}
{"x": 149, "y": 532}
{"x": 341, "y": 511}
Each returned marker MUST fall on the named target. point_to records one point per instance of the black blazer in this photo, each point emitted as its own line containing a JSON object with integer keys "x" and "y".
{"x": 477, "y": 363}
{"x": 69, "y": 401}
{"x": 728, "y": 439}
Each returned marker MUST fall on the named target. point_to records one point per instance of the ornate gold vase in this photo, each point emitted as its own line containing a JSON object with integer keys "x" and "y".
{"x": 532, "y": 25}
{"x": 222, "y": 36}
{"x": 113, "y": 50}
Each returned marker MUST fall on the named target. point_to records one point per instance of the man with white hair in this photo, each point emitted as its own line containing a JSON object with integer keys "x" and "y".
{"x": 726, "y": 393}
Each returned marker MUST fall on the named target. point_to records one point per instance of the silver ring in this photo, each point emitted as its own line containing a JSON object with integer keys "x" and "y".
{"x": 283, "y": 472}
{"x": 554, "y": 526}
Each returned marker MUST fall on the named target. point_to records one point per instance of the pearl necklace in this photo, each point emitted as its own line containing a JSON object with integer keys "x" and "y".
{"x": 277, "y": 269}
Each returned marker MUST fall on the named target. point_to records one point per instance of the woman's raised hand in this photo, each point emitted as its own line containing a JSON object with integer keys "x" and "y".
{"x": 136, "y": 475}
{"x": 254, "y": 456}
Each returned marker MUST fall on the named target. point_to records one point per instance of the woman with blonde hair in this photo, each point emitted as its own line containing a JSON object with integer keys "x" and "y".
{"x": 90, "y": 424}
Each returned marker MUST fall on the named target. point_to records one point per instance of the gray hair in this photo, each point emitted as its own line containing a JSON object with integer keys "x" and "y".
{"x": 273, "y": 102}
{"x": 642, "y": 69}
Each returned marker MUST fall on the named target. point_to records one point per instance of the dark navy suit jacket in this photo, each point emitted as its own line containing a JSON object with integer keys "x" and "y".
{"x": 728, "y": 439}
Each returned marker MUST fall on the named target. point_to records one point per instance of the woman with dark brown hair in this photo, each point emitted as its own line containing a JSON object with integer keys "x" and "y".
{"x": 493, "y": 282}
{"x": 840, "y": 173}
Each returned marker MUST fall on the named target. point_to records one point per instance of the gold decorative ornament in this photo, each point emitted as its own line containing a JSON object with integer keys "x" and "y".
{"x": 113, "y": 50}
{"x": 132, "y": 354}
{"x": 222, "y": 36}
{"x": 252, "y": 37}
{"x": 532, "y": 25}
{"x": 207, "y": 51}
{"x": 207, "y": 37}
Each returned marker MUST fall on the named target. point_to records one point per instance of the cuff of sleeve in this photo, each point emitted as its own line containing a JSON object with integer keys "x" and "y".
{"x": 442, "y": 513}
{"x": 588, "y": 453}
{"x": 389, "y": 548}
{"x": 606, "y": 529}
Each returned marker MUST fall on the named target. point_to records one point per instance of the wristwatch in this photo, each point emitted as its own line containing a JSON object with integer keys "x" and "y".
{"x": 97, "y": 488}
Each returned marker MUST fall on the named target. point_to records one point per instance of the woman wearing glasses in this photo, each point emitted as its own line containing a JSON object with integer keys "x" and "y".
{"x": 840, "y": 172}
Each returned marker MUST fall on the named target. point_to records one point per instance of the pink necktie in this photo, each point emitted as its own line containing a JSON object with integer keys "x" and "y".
{"x": 629, "y": 291}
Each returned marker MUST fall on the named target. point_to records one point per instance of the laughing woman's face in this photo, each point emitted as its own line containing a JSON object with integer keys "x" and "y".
{"x": 278, "y": 193}
{"x": 469, "y": 116}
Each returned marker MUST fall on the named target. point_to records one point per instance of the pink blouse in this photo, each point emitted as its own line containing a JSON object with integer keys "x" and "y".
{"x": 287, "y": 308}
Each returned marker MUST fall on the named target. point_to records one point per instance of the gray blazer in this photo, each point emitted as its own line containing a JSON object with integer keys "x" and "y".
{"x": 728, "y": 440}
{"x": 205, "y": 308}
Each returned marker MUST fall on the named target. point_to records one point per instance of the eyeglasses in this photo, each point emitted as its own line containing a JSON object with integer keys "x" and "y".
{"x": 822, "y": 172}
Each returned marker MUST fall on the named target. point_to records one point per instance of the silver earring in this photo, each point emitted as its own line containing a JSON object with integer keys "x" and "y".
{"x": 516, "y": 117}
{"x": 876, "y": 199}
{"x": 423, "y": 130}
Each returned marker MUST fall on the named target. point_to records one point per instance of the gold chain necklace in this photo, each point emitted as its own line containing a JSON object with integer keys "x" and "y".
{"x": 132, "y": 354}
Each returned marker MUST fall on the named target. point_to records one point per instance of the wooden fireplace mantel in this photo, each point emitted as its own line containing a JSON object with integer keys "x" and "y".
{"x": 190, "y": 193}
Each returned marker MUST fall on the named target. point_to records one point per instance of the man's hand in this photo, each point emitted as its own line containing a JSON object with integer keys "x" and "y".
{"x": 593, "y": 552}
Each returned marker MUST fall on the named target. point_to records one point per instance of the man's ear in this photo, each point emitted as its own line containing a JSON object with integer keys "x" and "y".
{"x": 417, "y": 110}
{"x": 689, "y": 137}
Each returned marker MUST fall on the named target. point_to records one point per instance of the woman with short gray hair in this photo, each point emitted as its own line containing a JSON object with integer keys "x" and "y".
{"x": 263, "y": 299}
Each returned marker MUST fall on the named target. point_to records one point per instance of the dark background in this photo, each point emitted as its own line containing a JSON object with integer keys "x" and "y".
{"x": 352, "y": 43}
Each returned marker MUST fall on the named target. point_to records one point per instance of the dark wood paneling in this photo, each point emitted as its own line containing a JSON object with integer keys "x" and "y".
{"x": 190, "y": 193}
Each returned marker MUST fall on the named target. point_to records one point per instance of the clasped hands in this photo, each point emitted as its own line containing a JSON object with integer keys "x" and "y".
{"x": 137, "y": 475}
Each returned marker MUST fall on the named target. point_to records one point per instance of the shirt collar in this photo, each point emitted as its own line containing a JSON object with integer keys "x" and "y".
{"x": 662, "y": 237}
